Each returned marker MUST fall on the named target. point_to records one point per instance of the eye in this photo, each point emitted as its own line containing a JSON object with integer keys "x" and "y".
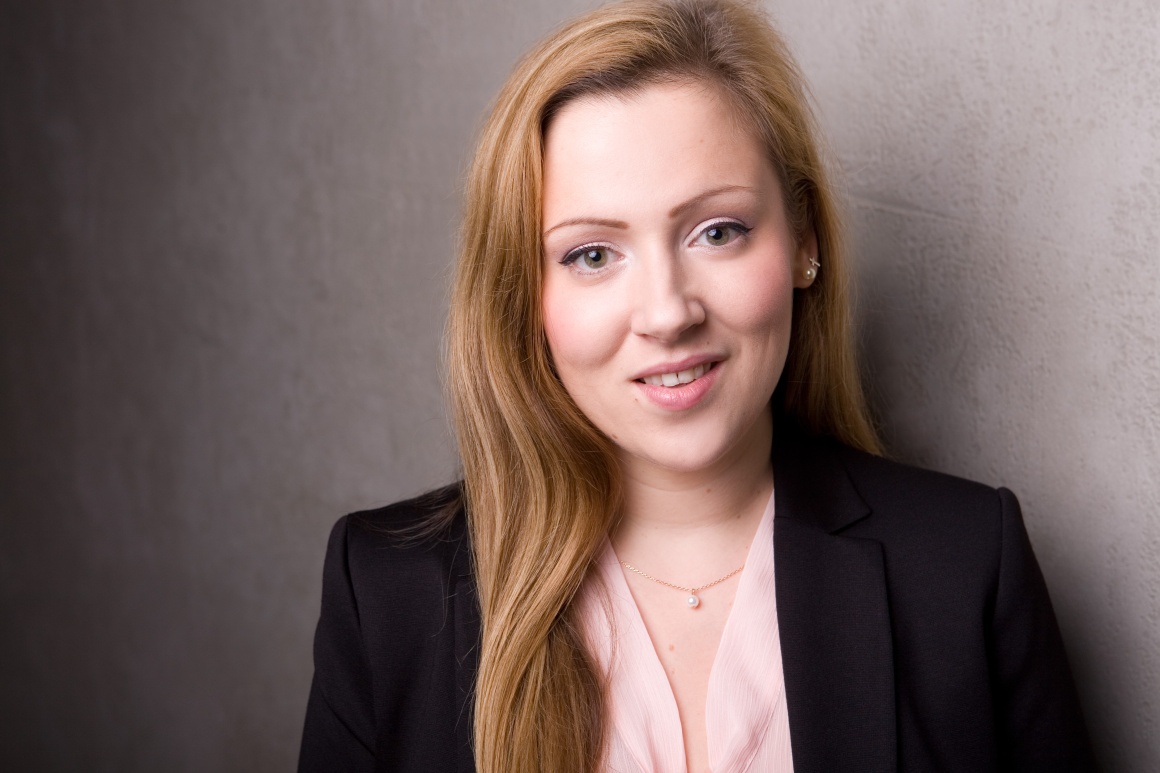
{"x": 721, "y": 234}
{"x": 589, "y": 258}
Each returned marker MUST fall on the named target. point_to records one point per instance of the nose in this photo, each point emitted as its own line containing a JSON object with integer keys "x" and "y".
{"x": 665, "y": 305}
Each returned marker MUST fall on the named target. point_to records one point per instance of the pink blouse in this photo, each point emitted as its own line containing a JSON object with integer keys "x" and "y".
{"x": 745, "y": 713}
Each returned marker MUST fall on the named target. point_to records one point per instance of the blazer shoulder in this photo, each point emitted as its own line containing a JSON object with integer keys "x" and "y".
{"x": 398, "y": 621}
{"x": 879, "y": 478}
{"x": 931, "y": 521}
{"x": 958, "y": 555}
{"x": 422, "y": 538}
{"x": 419, "y": 523}
{"x": 914, "y": 508}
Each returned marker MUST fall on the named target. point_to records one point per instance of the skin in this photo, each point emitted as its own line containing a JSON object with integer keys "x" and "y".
{"x": 665, "y": 237}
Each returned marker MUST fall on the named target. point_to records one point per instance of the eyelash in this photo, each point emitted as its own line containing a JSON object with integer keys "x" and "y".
{"x": 578, "y": 253}
{"x": 575, "y": 255}
{"x": 742, "y": 230}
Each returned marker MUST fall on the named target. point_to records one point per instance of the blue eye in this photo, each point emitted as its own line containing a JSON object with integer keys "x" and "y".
{"x": 591, "y": 258}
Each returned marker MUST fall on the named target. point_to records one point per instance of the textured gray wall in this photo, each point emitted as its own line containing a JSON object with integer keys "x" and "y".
{"x": 225, "y": 230}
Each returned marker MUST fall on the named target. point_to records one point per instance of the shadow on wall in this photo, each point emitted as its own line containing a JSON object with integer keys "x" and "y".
{"x": 933, "y": 334}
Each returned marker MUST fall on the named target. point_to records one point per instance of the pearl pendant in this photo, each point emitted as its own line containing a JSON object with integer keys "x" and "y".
{"x": 693, "y": 601}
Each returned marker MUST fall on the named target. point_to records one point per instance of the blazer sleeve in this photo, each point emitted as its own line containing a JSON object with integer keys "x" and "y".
{"x": 1040, "y": 724}
{"x": 339, "y": 731}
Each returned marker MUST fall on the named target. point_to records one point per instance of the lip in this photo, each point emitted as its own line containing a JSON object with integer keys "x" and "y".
{"x": 678, "y": 365}
{"x": 684, "y": 396}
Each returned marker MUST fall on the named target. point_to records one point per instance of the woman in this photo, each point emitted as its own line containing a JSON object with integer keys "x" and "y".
{"x": 675, "y": 546}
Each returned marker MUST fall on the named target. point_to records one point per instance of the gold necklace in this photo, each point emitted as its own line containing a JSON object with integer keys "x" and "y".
{"x": 693, "y": 600}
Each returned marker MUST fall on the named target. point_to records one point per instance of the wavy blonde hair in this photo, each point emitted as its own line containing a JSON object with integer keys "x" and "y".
{"x": 541, "y": 483}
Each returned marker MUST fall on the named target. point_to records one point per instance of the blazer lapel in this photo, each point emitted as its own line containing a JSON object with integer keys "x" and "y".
{"x": 833, "y": 616}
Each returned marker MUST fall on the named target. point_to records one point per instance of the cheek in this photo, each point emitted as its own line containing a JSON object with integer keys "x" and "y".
{"x": 759, "y": 300}
{"x": 581, "y": 328}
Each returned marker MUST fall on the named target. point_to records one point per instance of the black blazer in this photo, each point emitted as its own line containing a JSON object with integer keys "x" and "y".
{"x": 916, "y": 630}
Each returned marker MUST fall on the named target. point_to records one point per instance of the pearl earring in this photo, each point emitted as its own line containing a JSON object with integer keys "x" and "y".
{"x": 812, "y": 271}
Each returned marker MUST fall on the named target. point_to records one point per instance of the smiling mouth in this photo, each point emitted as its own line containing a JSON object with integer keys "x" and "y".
{"x": 678, "y": 378}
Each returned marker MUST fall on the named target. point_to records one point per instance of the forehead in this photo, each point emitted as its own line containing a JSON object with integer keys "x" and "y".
{"x": 658, "y": 145}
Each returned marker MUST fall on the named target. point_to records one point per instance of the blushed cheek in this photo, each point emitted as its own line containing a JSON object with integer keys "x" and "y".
{"x": 581, "y": 333}
{"x": 764, "y": 302}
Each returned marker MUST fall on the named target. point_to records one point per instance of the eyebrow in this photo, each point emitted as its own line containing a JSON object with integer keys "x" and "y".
{"x": 674, "y": 213}
{"x": 681, "y": 209}
{"x": 589, "y": 221}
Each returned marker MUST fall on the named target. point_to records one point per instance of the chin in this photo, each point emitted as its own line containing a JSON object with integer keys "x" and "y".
{"x": 680, "y": 455}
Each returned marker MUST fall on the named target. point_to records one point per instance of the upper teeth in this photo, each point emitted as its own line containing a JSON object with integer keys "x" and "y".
{"x": 680, "y": 377}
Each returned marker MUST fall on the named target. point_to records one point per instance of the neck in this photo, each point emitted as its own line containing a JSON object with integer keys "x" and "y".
{"x": 671, "y": 517}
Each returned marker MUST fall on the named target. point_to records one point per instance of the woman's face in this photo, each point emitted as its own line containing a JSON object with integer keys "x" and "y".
{"x": 669, "y": 273}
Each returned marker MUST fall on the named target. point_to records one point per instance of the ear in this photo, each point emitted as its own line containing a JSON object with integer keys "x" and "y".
{"x": 804, "y": 259}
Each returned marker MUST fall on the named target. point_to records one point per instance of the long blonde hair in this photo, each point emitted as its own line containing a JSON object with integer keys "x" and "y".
{"x": 541, "y": 483}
